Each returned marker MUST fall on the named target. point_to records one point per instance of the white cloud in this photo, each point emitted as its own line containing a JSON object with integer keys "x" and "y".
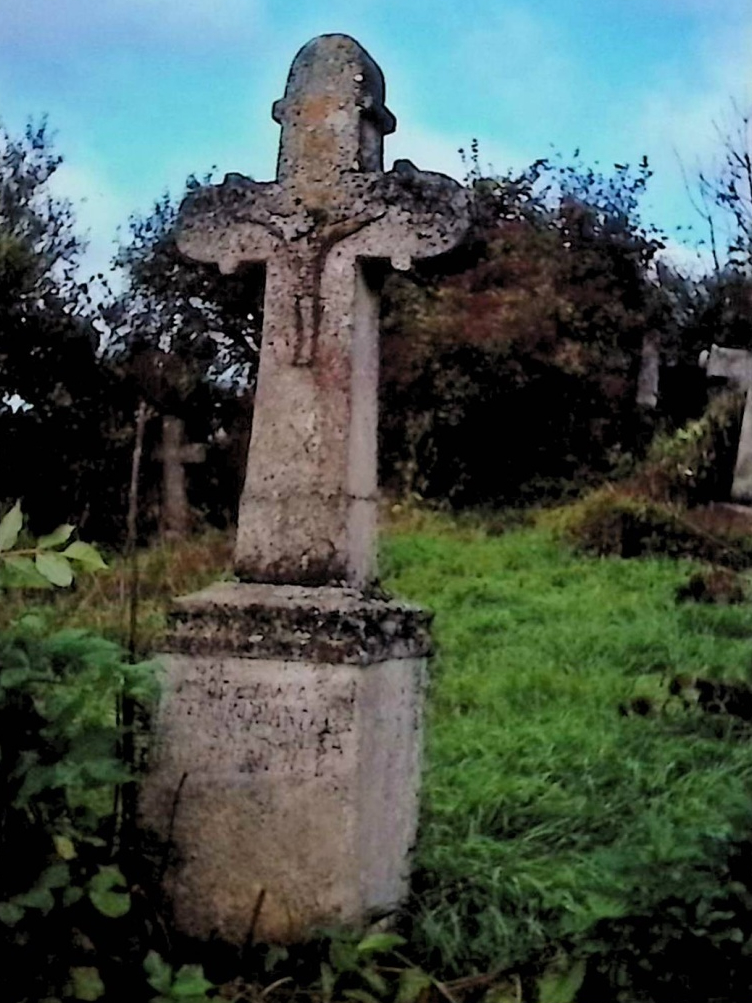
{"x": 674, "y": 123}
{"x": 99, "y": 210}
{"x": 430, "y": 150}
{"x": 693, "y": 262}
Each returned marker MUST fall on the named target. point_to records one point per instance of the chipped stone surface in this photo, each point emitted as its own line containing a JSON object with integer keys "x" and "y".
{"x": 293, "y": 622}
{"x": 308, "y": 511}
{"x": 295, "y": 788}
{"x": 735, "y": 365}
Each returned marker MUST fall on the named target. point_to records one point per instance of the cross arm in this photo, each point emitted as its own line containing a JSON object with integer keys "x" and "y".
{"x": 414, "y": 214}
{"x": 732, "y": 364}
{"x": 235, "y": 223}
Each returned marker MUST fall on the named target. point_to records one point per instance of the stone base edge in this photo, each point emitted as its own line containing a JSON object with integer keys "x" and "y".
{"x": 297, "y": 623}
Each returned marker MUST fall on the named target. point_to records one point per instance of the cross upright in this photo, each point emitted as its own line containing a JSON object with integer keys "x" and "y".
{"x": 174, "y": 454}
{"x": 735, "y": 366}
{"x": 308, "y": 509}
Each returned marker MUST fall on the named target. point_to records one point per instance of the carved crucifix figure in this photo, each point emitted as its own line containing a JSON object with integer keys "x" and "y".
{"x": 308, "y": 510}
{"x": 174, "y": 453}
{"x": 735, "y": 366}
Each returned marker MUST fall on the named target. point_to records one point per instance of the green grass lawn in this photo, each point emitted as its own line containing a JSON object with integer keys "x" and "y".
{"x": 544, "y": 808}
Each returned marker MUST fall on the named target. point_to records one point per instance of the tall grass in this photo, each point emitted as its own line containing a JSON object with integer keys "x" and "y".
{"x": 545, "y": 810}
{"x": 99, "y": 601}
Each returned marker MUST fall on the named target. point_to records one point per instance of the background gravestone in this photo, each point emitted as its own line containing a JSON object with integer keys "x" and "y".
{"x": 287, "y": 761}
{"x": 735, "y": 366}
{"x": 174, "y": 453}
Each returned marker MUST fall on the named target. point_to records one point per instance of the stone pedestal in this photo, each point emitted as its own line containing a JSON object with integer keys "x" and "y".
{"x": 286, "y": 768}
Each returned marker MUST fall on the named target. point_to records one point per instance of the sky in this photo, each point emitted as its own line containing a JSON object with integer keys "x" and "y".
{"x": 142, "y": 93}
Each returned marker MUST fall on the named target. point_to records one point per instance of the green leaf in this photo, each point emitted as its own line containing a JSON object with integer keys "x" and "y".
{"x": 328, "y": 982}
{"x": 343, "y": 956}
{"x": 11, "y": 913}
{"x": 189, "y": 982}
{"x": 562, "y": 987}
{"x": 111, "y": 904}
{"x": 412, "y": 983}
{"x": 56, "y": 537}
{"x": 64, "y": 847}
{"x": 359, "y": 996}
{"x": 72, "y": 894}
{"x": 10, "y": 527}
{"x": 21, "y": 573}
{"x": 54, "y": 876}
{"x": 37, "y": 898}
{"x": 380, "y": 943}
{"x": 375, "y": 981}
{"x": 106, "y": 894}
{"x": 55, "y": 568}
{"x": 158, "y": 972}
{"x": 87, "y": 556}
{"x": 10, "y": 678}
{"x": 86, "y": 984}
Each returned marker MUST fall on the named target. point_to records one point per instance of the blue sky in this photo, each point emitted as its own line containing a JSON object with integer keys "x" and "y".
{"x": 143, "y": 92}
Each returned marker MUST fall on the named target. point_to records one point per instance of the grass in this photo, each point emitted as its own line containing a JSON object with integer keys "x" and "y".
{"x": 99, "y": 601}
{"x": 544, "y": 809}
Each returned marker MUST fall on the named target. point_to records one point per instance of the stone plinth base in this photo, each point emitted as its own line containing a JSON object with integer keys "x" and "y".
{"x": 287, "y": 756}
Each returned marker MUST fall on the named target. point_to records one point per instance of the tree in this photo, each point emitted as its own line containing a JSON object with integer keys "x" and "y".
{"x": 189, "y": 339}
{"x": 47, "y": 344}
{"x": 57, "y": 399}
{"x": 722, "y": 194}
{"x": 515, "y": 376}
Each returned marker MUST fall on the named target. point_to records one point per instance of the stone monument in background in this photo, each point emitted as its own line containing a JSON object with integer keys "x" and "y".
{"x": 735, "y": 366}
{"x": 174, "y": 454}
{"x": 287, "y": 758}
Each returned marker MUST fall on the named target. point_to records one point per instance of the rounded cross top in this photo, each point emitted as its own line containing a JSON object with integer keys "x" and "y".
{"x": 333, "y": 115}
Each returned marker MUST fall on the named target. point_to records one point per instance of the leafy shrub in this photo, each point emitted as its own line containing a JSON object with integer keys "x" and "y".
{"x": 694, "y": 464}
{"x": 60, "y": 767}
{"x": 622, "y": 523}
{"x": 63, "y": 767}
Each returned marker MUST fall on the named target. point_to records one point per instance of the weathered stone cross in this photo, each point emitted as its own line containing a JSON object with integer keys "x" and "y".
{"x": 174, "y": 453}
{"x": 735, "y": 365}
{"x": 290, "y": 719}
{"x": 308, "y": 510}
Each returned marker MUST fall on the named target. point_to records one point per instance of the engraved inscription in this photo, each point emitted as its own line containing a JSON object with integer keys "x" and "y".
{"x": 258, "y": 721}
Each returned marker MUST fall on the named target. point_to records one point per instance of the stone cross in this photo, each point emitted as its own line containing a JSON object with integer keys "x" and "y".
{"x": 174, "y": 453}
{"x": 735, "y": 365}
{"x": 308, "y": 509}
{"x": 287, "y": 752}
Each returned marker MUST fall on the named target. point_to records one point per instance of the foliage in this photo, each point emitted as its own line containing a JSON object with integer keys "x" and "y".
{"x": 625, "y": 523}
{"x": 189, "y": 337}
{"x": 563, "y": 840}
{"x": 549, "y": 817}
{"x": 61, "y": 763}
{"x": 535, "y": 331}
{"x": 96, "y": 603}
{"x": 187, "y": 309}
{"x": 44, "y": 563}
{"x": 188, "y": 983}
{"x": 59, "y": 401}
{"x": 694, "y": 464}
